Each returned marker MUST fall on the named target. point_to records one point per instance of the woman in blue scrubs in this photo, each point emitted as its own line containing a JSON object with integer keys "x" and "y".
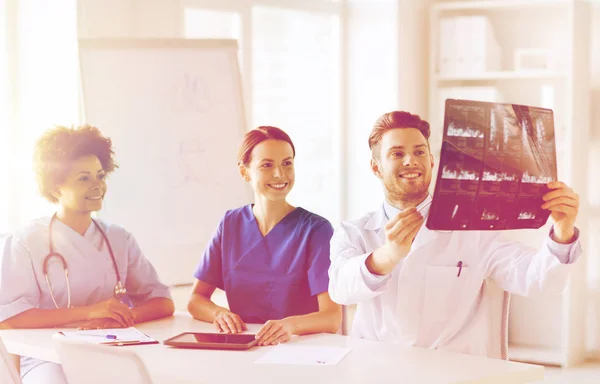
{"x": 270, "y": 257}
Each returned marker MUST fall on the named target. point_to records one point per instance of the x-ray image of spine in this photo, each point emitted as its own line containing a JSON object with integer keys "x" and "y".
{"x": 459, "y": 174}
{"x": 455, "y": 131}
{"x": 494, "y": 164}
{"x": 512, "y": 129}
{"x": 525, "y": 215}
{"x": 495, "y": 133}
{"x": 537, "y": 164}
{"x": 527, "y": 178}
{"x": 466, "y": 122}
{"x": 489, "y": 215}
{"x": 497, "y": 176}
{"x": 542, "y": 131}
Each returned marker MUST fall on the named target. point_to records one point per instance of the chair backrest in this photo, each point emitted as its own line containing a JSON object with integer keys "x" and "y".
{"x": 504, "y": 326}
{"x": 499, "y": 312}
{"x": 95, "y": 364}
{"x": 8, "y": 367}
{"x": 499, "y": 308}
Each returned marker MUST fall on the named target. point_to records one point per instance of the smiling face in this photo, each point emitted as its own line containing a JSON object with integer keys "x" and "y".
{"x": 404, "y": 165}
{"x": 84, "y": 186}
{"x": 270, "y": 170}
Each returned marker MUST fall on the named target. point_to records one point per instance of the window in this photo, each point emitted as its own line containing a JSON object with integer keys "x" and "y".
{"x": 46, "y": 94}
{"x": 4, "y": 122}
{"x": 293, "y": 83}
{"x": 211, "y": 24}
{"x": 295, "y": 86}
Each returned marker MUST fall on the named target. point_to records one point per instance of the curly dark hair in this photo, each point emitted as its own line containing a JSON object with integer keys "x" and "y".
{"x": 58, "y": 147}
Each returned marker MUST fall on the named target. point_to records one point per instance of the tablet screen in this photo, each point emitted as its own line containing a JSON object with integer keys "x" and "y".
{"x": 220, "y": 338}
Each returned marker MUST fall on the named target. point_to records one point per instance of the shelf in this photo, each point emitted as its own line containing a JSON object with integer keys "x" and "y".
{"x": 497, "y": 4}
{"x": 535, "y": 355}
{"x": 563, "y": 26}
{"x": 503, "y": 75}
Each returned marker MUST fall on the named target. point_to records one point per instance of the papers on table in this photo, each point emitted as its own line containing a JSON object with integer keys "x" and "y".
{"x": 303, "y": 355}
{"x": 111, "y": 336}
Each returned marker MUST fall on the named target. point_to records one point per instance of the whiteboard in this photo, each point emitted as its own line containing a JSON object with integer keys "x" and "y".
{"x": 173, "y": 109}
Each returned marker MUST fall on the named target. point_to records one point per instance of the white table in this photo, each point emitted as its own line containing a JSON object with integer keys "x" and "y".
{"x": 367, "y": 362}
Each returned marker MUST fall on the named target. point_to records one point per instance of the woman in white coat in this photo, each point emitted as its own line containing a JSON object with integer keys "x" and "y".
{"x": 109, "y": 283}
{"x": 428, "y": 288}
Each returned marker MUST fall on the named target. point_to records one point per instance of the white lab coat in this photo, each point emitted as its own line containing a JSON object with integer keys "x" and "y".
{"x": 423, "y": 302}
{"x": 92, "y": 277}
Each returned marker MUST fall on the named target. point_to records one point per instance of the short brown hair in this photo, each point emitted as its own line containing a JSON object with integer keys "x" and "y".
{"x": 58, "y": 147}
{"x": 257, "y": 136}
{"x": 393, "y": 120}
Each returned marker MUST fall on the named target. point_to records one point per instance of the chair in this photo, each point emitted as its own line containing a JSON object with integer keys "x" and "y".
{"x": 89, "y": 363}
{"x": 499, "y": 308}
{"x": 499, "y": 312}
{"x": 8, "y": 369}
{"x": 504, "y": 326}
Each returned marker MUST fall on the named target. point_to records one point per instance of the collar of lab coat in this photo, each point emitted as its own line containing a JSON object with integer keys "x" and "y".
{"x": 377, "y": 221}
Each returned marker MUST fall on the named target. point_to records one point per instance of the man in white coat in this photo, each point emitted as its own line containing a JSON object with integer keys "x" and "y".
{"x": 428, "y": 288}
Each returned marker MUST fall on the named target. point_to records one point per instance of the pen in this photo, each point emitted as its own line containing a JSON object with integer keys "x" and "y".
{"x": 111, "y": 337}
{"x": 459, "y": 265}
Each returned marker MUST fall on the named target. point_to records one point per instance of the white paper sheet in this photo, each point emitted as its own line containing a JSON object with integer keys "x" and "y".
{"x": 303, "y": 355}
{"x": 109, "y": 336}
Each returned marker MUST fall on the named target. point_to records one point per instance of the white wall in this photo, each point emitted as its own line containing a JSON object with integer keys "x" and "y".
{"x": 129, "y": 18}
{"x": 595, "y": 107}
{"x": 386, "y": 70}
{"x": 413, "y": 56}
{"x": 372, "y": 90}
{"x": 594, "y": 170}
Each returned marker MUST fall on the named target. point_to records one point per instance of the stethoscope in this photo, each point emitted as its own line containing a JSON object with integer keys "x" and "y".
{"x": 120, "y": 289}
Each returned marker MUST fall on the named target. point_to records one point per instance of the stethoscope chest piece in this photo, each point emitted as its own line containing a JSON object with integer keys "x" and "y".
{"x": 120, "y": 289}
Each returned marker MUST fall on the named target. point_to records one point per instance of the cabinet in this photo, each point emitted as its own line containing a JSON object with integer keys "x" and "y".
{"x": 532, "y": 52}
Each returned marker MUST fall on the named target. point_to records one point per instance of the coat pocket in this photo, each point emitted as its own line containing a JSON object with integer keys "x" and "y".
{"x": 445, "y": 290}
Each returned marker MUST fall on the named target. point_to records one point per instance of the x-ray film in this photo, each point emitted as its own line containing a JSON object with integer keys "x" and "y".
{"x": 495, "y": 162}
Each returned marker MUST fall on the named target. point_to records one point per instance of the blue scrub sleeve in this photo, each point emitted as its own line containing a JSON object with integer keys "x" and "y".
{"x": 142, "y": 282}
{"x": 19, "y": 290}
{"x": 318, "y": 258}
{"x": 210, "y": 267}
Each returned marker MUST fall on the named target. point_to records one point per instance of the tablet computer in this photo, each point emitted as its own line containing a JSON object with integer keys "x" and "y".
{"x": 212, "y": 340}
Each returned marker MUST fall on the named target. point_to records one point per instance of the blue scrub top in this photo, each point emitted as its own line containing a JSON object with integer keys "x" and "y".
{"x": 269, "y": 277}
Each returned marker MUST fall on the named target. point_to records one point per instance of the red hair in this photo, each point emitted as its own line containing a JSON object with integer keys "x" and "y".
{"x": 394, "y": 120}
{"x": 257, "y": 136}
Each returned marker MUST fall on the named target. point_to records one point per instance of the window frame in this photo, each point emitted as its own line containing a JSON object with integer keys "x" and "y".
{"x": 244, "y": 8}
{"x": 334, "y": 8}
{"x": 12, "y": 65}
